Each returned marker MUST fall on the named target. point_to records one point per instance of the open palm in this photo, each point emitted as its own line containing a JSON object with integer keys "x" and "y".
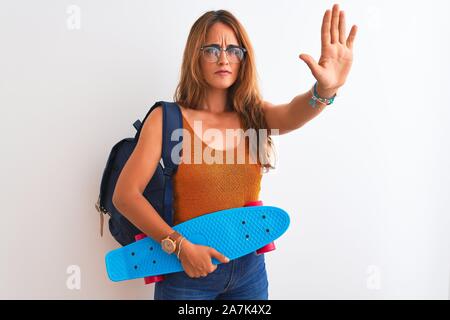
{"x": 336, "y": 54}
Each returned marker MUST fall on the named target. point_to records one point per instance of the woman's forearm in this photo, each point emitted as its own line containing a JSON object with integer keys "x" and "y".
{"x": 300, "y": 111}
{"x": 138, "y": 210}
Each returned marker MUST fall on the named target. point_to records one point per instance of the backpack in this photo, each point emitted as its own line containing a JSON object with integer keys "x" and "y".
{"x": 159, "y": 190}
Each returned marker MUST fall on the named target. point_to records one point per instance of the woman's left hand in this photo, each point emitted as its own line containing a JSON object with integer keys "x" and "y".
{"x": 336, "y": 56}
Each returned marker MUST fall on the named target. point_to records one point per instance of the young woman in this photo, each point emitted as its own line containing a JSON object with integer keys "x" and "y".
{"x": 218, "y": 91}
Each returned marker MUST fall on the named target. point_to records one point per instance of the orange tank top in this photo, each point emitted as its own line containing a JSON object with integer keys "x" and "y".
{"x": 201, "y": 188}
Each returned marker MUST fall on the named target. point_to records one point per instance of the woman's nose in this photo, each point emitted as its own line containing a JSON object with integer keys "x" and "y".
{"x": 223, "y": 57}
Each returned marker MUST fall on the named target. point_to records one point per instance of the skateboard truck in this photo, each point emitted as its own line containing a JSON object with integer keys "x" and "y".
{"x": 269, "y": 247}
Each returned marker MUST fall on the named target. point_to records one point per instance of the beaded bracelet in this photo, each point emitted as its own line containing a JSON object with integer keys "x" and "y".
{"x": 316, "y": 98}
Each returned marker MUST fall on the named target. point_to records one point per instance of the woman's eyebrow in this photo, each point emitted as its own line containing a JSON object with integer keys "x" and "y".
{"x": 218, "y": 45}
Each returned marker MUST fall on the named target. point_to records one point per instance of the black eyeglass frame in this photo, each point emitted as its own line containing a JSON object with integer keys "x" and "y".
{"x": 231, "y": 46}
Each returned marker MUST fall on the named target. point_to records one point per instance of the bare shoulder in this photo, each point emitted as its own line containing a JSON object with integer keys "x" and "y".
{"x": 153, "y": 124}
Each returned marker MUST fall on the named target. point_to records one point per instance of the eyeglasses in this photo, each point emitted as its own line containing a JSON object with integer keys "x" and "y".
{"x": 234, "y": 54}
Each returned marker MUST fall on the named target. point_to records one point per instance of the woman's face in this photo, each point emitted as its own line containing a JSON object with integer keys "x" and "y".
{"x": 222, "y": 35}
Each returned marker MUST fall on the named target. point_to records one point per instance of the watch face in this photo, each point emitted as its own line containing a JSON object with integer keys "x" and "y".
{"x": 168, "y": 246}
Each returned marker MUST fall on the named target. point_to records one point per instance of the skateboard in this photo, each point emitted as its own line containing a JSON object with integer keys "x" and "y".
{"x": 233, "y": 232}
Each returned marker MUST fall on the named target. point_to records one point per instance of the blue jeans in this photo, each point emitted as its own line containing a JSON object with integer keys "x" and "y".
{"x": 244, "y": 278}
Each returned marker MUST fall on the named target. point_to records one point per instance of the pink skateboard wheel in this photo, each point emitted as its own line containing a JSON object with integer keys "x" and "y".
{"x": 266, "y": 248}
{"x": 269, "y": 247}
{"x": 140, "y": 236}
{"x": 152, "y": 279}
{"x": 253, "y": 203}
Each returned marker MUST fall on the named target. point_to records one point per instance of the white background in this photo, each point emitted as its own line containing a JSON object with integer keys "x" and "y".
{"x": 366, "y": 183}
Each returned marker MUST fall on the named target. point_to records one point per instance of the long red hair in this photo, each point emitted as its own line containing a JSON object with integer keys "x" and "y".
{"x": 244, "y": 95}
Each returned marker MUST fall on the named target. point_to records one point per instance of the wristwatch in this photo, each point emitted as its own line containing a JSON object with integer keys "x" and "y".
{"x": 169, "y": 243}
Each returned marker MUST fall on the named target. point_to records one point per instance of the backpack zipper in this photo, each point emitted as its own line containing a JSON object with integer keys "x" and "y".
{"x": 102, "y": 211}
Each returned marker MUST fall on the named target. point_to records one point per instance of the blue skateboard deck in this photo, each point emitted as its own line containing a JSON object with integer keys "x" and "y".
{"x": 234, "y": 232}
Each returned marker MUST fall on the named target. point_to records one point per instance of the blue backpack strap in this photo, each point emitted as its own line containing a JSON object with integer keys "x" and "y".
{"x": 172, "y": 120}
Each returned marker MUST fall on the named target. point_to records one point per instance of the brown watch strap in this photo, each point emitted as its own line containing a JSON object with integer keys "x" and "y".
{"x": 175, "y": 236}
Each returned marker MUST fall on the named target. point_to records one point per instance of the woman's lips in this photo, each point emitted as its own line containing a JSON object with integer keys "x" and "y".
{"x": 223, "y": 73}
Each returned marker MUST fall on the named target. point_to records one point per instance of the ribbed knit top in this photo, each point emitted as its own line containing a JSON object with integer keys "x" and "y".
{"x": 201, "y": 188}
